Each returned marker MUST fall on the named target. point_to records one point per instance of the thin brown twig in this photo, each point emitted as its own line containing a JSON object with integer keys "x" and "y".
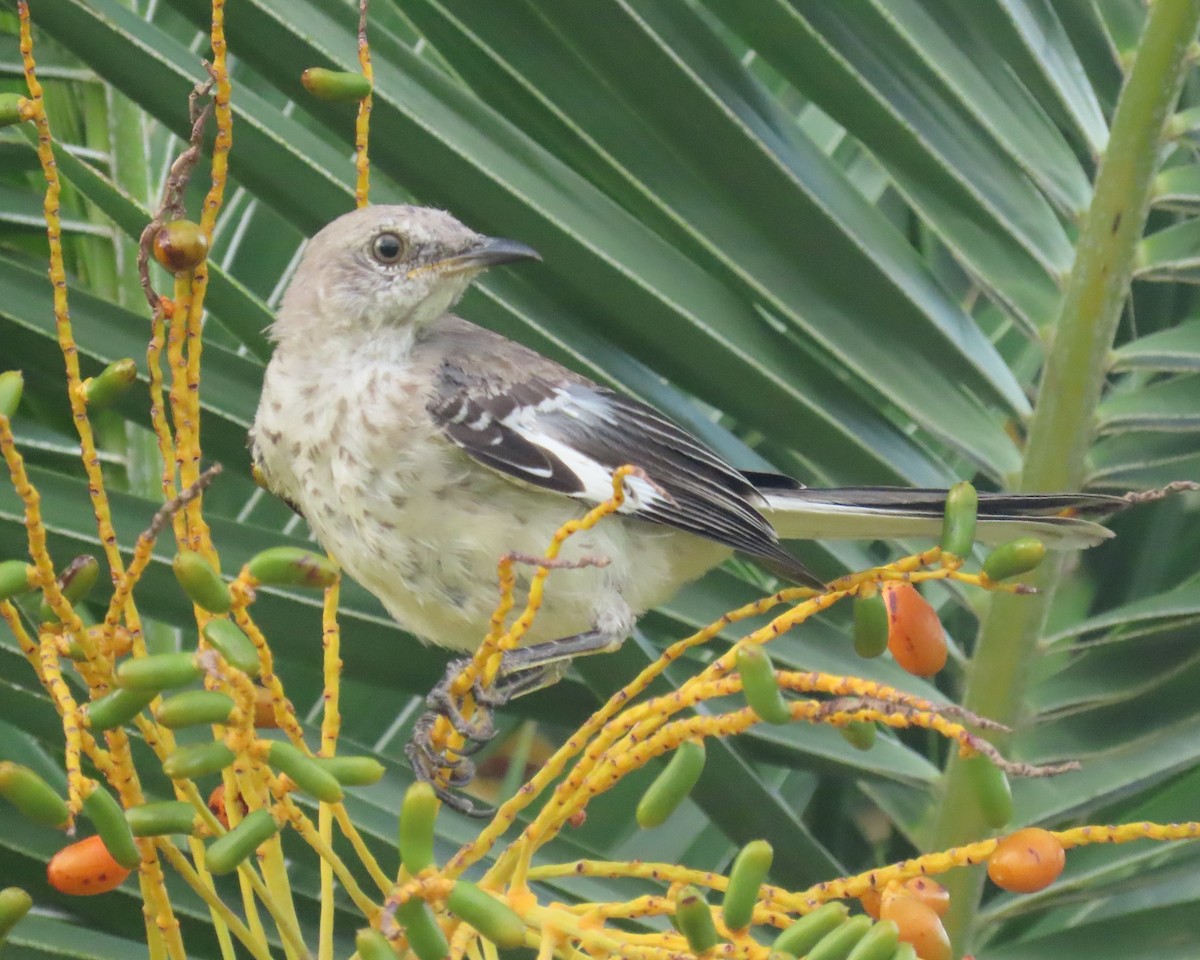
{"x": 171, "y": 205}
{"x": 1160, "y": 493}
{"x": 164, "y": 513}
{"x": 558, "y": 563}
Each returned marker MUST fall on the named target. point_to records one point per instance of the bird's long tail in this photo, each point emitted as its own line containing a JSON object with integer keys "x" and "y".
{"x": 1061, "y": 520}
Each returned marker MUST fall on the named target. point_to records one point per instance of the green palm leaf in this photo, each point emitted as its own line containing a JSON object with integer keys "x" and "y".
{"x": 831, "y": 239}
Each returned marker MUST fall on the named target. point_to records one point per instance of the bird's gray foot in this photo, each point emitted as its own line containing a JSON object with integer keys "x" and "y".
{"x": 521, "y": 671}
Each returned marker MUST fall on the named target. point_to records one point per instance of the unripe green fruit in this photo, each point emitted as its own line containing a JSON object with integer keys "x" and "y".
{"x": 109, "y": 817}
{"x": 159, "y": 671}
{"x": 16, "y": 578}
{"x": 746, "y": 878}
{"x": 870, "y": 626}
{"x": 197, "y": 760}
{"x": 860, "y": 734}
{"x": 161, "y": 819}
{"x": 10, "y": 109}
{"x": 672, "y": 786}
{"x": 75, "y": 582}
{"x": 838, "y": 944}
{"x": 111, "y": 382}
{"x": 227, "y": 639}
{"x": 14, "y": 904}
{"x": 992, "y": 790}
{"x": 309, "y": 775}
{"x": 694, "y": 920}
{"x": 417, "y": 816}
{"x": 373, "y": 945}
{"x": 32, "y": 795}
{"x": 879, "y": 943}
{"x": 194, "y": 707}
{"x": 810, "y": 929}
{"x": 353, "y": 771}
{"x": 12, "y": 385}
{"x": 117, "y": 707}
{"x": 335, "y": 85}
{"x": 958, "y": 523}
{"x": 494, "y": 920}
{"x": 225, "y": 853}
{"x": 424, "y": 935}
{"x": 759, "y": 685}
{"x": 1014, "y": 558}
{"x": 201, "y": 582}
{"x": 292, "y": 567}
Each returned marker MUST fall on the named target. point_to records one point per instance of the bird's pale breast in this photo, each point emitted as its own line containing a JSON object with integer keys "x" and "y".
{"x": 421, "y": 526}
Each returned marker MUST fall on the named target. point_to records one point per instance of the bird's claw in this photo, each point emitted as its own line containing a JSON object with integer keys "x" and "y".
{"x": 478, "y": 729}
{"x": 430, "y": 763}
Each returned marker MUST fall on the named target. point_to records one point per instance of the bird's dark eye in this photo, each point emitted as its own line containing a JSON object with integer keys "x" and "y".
{"x": 387, "y": 248}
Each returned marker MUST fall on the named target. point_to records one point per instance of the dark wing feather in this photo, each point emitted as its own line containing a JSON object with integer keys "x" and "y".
{"x": 915, "y": 501}
{"x": 569, "y": 437}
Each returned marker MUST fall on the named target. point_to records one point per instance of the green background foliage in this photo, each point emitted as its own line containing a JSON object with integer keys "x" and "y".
{"x": 831, "y": 238}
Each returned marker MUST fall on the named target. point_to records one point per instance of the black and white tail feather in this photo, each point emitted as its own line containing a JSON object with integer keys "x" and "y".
{"x": 558, "y": 432}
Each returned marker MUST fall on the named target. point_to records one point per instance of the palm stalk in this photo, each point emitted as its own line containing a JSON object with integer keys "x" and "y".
{"x": 1062, "y": 427}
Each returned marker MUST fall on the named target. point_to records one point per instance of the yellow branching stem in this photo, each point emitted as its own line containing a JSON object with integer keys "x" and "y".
{"x": 285, "y": 714}
{"x": 630, "y": 730}
{"x": 202, "y": 885}
{"x": 189, "y": 457}
{"x": 62, "y": 319}
{"x": 362, "y": 124}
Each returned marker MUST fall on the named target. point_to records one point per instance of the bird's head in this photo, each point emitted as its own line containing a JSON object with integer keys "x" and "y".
{"x": 398, "y": 266}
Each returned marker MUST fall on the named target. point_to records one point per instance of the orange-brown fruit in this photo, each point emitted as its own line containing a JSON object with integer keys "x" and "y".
{"x": 85, "y": 868}
{"x": 919, "y": 925}
{"x": 929, "y": 892}
{"x": 915, "y": 635}
{"x": 180, "y": 246}
{"x": 1027, "y": 861}
{"x": 216, "y": 803}
{"x": 264, "y": 712}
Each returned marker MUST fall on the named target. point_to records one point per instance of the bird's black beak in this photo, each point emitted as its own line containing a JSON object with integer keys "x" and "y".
{"x": 490, "y": 252}
{"x": 497, "y": 250}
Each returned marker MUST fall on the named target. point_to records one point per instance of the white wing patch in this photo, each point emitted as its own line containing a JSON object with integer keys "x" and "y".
{"x": 595, "y": 478}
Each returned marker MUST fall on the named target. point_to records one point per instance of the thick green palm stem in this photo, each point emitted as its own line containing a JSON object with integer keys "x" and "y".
{"x": 1064, "y": 417}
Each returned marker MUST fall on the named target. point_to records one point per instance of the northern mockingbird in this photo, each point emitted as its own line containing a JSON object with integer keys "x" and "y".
{"x": 421, "y": 448}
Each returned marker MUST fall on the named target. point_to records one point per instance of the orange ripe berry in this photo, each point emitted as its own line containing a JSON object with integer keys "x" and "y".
{"x": 929, "y": 892}
{"x": 919, "y": 925}
{"x": 1027, "y": 861}
{"x": 85, "y": 868}
{"x": 915, "y": 635}
{"x": 871, "y": 902}
{"x": 216, "y": 803}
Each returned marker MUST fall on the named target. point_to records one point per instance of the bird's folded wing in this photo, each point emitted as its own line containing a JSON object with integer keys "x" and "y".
{"x": 569, "y": 437}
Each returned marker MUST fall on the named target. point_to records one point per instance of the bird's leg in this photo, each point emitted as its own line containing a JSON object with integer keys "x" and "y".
{"x": 554, "y": 651}
{"x": 521, "y": 671}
